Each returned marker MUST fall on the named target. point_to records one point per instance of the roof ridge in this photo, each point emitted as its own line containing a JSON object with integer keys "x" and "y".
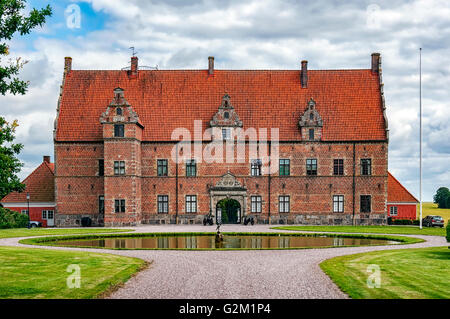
{"x": 404, "y": 188}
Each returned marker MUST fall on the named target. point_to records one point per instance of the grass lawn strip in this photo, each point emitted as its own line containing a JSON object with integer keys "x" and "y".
{"x": 25, "y": 232}
{"x": 402, "y": 230}
{"x": 405, "y": 274}
{"x": 29, "y": 273}
{"x": 52, "y": 241}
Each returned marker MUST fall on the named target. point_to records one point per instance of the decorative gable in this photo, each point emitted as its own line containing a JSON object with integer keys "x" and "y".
{"x": 119, "y": 110}
{"x": 311, "y": 123}
{"x": 226, "y": 115}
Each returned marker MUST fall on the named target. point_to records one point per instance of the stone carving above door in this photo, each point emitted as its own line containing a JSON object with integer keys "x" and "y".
{"x": 228, "y": 180}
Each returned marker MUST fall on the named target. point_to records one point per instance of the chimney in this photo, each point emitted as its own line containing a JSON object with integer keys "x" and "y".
{"x": 134, "y": 65}
{"x": 376, "y": 62}
{"x": 67, "y": 64}
{"x": 210, "y": 65}
{"x": 46, "y": 159}
{"x": 304, "y": 74}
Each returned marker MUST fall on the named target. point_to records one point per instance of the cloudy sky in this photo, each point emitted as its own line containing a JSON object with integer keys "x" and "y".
{"x": 257, "y": 34}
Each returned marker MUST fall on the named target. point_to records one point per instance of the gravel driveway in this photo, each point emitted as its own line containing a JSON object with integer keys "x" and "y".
{"x": 246, "y": 274}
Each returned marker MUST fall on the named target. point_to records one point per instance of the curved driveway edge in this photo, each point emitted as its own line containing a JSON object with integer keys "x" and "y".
{"x": 249, "y": 274}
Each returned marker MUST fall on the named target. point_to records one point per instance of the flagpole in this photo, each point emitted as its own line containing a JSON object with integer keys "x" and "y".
{"x": 420, "y": 130}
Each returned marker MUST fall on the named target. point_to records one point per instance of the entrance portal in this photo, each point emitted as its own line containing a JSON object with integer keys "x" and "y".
{"x": 229, "y": 210}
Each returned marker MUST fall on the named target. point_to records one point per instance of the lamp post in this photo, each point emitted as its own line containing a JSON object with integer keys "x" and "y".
{"x": 28, "y": 211}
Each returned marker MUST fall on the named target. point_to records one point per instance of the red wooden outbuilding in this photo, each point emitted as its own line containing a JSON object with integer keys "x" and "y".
{"x": 38, "y": 198}
{"x": 401, "y": 204}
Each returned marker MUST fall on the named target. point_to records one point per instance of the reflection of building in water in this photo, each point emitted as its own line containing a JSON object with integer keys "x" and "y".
{"x": 163, "y": 242}
{"x": 338, "y": 241}
{"x": 284, "y": 242}
{"x": 118, "y": 243}
{"x": 191, "y": 242}
{"x": 256, "y": 242}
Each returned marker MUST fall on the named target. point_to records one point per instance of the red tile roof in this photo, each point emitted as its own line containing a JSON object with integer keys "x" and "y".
{"x": 40, "y": 184}
{"x": 349, "y": 101}
{"x": 397, "y": 193}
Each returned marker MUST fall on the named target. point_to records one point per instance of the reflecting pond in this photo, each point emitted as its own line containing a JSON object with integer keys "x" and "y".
{"x": 229, "y": 242}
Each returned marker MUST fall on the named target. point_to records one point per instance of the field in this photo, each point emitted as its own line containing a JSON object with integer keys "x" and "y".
{"x": 432, "y": 209}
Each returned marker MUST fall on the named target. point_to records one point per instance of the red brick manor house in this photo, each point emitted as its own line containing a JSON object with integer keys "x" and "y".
{"x": 141, "y": 146}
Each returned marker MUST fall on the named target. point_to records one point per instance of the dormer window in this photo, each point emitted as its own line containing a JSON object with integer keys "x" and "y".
{"x": 119, "y": 111}
{"x": 311, "y": 123}
{"x": 311, "y": 134}
{"x": 226, "y": 115}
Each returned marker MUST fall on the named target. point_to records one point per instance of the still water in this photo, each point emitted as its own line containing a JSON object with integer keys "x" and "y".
{"x": 229, "y": 241}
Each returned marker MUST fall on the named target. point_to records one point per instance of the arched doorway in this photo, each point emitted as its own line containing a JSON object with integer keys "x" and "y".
{"x": 230, "y": 211}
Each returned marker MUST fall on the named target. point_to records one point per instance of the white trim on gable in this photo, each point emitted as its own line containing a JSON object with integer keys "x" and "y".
{"x": 25, "y": 204}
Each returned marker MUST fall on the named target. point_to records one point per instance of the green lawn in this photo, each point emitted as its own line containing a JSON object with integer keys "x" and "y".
{"x": 403, "y": 230}
{"x": 42, "y": 273}
{"x": 432, "y": 209}
{"x": 405, "y": 274}
{"x": 24, "y": 232}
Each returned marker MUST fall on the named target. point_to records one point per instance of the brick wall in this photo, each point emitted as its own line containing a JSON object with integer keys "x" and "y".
{"x": 310, "y": 196}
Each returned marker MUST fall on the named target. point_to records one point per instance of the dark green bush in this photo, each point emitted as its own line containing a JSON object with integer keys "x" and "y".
{"x": 12, "y": 219}
{"x": 403, "y": 222}
{"x": 416, "y": 222}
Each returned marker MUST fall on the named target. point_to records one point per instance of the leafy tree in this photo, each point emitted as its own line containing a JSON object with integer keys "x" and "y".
{"x": 442, "y": 197}
{"x": 12, "y": 20}
{"x": 9, "y": 163}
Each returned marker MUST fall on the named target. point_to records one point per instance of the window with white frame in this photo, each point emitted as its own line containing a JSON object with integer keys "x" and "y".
{"x": 256, "y": 204}
{"x": 119, "y": 167}
{"x": 393, "y": 210}
{"x": 256, "y": 167}
{"x": 284, "y": 206}
{"x": 191, "y": 203}
{"x": 163, "y": 204}
{"x": 338, "y": 203}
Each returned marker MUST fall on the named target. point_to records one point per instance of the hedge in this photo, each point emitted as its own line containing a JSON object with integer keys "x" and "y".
{"x": 12, "y": 219}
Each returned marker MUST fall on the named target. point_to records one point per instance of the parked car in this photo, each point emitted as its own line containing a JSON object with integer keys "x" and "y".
{"x": 34, "y": 224}
{"x": 433, "y": 220}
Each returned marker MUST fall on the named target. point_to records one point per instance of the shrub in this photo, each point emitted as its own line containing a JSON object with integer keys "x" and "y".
{"x": 403, "y": 222}
{"x": 389, "y": 220}
{"x": 416, "y": 222}
{"x": 12, "y": 219}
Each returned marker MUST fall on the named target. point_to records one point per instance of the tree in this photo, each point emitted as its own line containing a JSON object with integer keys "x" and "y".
{"x": 9, "y": 163}
{"x": 442, "y": 197}
{"x": 12, "y": 20}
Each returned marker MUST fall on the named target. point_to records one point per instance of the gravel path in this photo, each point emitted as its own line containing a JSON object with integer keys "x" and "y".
{"x": 247, "y": 274}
